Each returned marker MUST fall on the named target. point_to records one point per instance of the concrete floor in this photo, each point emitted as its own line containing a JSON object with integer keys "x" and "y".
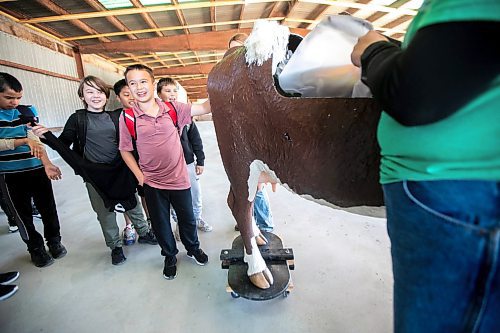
{"x": 343, "y": 278}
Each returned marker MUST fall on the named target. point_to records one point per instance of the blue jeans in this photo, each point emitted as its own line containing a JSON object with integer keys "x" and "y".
{"x": 262, "y": 211}
{"x": 445, "y": 255}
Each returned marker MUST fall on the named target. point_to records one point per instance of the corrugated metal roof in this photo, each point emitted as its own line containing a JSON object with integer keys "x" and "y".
{"x": 78, "y": 21}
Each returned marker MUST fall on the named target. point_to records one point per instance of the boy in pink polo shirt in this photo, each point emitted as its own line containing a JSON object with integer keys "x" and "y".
{"x": 162, "y": 168}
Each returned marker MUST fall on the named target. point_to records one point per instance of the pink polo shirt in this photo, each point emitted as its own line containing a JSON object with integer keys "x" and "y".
{"x": 161, "y": 158}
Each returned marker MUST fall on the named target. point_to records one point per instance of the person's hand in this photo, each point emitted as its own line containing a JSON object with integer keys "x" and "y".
{"x": 363, "y": 43}
{"x": 39, "y": 130}
{"x": 36, "y": 149}
{"x": 140, "y": 179}
{"x": 199, "y": 169}
{"x": 53, "y": 172}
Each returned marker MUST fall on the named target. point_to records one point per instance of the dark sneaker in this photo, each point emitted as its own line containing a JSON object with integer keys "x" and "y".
{"x": 7, "y": 291}
{"x": 148, "y": 238}
{"x": 9, "y": 277}
{"x": 117, "y": 256}
{"x": 57, "y": 250}
{"x": 40, "y": 257}
{"x": 13, "y": 228}
{"x": 170, "y": 269}
{"x": 199, "y": 256}
{"x": 35, "y": 212}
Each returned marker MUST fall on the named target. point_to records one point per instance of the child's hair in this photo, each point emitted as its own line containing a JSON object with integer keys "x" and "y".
{"x": 8, "y": 81}
{"x": 166, "y": 81}
{"x": 139, "y": 67}
{"x": 240, "y": 37}
{"x": 93, "y": 82}
{"x": 119, "y": 85}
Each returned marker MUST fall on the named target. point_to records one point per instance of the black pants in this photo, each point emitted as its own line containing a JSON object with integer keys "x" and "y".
{"x": 159, "y": 202}
{"x": 5, "y": 207}
{"x": 21, "y": 187}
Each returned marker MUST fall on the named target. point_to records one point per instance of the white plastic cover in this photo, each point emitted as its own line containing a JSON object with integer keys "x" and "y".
{"x": 321, "y": 66}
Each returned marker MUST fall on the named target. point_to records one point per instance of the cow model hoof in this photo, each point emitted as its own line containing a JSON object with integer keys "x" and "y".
{"x": 262, "y": 280}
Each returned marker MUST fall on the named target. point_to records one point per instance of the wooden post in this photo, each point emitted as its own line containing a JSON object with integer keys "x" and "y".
{"x": 79, "y": 62}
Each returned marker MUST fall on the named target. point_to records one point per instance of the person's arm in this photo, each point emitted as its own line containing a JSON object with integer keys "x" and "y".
{"x": 443, "y": 68}
{"x": 130, "y": 161}
{"x": 126, "y": 147}
{"x": 69, "y": 135}
{"x": 197, "y": 146}
{"x": 52, "y": 171}
{"x": 199, "y": 109}
{"x": 11, "y": 144}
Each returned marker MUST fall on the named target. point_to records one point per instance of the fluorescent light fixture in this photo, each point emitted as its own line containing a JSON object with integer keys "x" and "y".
{"x": 115, "y": 4}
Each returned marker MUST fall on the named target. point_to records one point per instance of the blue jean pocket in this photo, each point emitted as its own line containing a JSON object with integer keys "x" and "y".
{"x": 442, "y": 199}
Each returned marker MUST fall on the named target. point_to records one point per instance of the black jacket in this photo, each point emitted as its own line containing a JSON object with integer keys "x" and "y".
{"x": 114, "y": 182}
{"x": 75, "y": 129}
{"x": 192, "y": 145}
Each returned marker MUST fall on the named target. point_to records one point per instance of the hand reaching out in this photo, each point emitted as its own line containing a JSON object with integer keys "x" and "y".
{"x": 53, "y": 172}
{"x": 39, "y": 130}
{"x": 363, "y": 43}
{"x": 36, "y": 149}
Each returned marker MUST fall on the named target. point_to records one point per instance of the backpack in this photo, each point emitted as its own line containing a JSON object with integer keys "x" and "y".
{"x": 129, "y": 118}
{"x": 26, "y": 115}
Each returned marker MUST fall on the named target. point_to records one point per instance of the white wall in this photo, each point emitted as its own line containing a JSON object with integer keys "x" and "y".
{"x": 54, "y": 98}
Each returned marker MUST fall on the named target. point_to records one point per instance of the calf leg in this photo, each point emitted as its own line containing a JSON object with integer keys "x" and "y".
{"x": 241, "y": 208}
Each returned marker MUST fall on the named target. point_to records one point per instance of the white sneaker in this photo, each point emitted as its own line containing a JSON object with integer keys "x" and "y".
{"x": 129, "y": 235}
{"x": 13, "y": 228}
{"x": 203, "y": 226}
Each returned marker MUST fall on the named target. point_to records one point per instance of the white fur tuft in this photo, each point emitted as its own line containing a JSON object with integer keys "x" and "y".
{"x": 267, "y": 39}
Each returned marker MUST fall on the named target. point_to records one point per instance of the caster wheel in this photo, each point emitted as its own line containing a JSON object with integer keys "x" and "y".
{"x": 234, "y": 295}
{"x": 286, "y": 293}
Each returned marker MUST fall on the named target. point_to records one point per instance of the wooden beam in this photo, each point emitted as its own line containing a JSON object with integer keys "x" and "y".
{"x": 368, "y": 6}
{"x": 148, "y": 9}
{"x": 175, "y": 59}
{"x": 111, "y": 19}
{"x": 79, "y": 24}
{"x": 204, "y": 41}
{"x": 194, "y": 97}
{"x": 179, "y": 27}
{"x": 10, "y": 25}
{"x": 183, "y": 22}
{"x": 207, "y": 4}
{"x": 38, "y": 70}
{"x": 146, "y": 17}
{"x": 242, "y": 12}
{"x": 190, "y": 64}
{"x": 189, "y": 69}
{"x": 213, "y": 15}
{"x": 79, "y": 63}
{"x": 193, "y": 82}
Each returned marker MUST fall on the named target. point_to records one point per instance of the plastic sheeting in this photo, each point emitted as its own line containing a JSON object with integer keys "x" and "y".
{"x": 321, "y": 66}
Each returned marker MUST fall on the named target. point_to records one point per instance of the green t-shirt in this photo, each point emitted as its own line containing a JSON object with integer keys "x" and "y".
{"x": 465, "y": 145}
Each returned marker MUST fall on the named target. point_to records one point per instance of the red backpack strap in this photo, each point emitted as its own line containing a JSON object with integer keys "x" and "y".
{"x": 172, "y": 112}
{"x": 129, "y": 117}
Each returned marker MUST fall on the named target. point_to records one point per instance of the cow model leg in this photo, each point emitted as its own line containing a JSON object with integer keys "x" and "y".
{"x": 241, "y": 208}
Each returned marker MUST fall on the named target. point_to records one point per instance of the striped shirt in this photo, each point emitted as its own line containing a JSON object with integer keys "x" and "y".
{"x": 19, "y": 159}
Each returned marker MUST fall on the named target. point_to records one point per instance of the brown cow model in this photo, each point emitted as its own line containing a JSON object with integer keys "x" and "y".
{"x": 323, "y": 147}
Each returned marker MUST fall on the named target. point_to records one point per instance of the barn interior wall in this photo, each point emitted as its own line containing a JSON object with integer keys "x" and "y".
{"x": 55, "y": 98}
